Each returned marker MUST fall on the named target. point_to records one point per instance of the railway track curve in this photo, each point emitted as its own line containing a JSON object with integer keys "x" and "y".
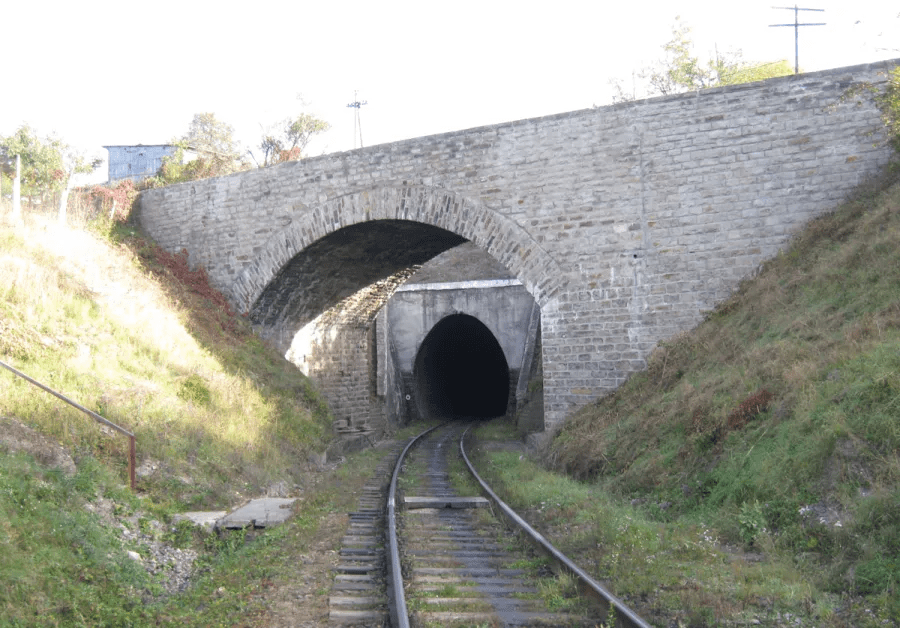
{"x": 419, "y": 554}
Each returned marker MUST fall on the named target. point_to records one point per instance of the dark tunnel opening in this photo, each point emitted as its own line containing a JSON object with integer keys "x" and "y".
{"x": 460, "y": 371}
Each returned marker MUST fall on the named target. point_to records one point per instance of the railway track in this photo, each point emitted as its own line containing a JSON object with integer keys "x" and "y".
{"x": 446, "y": 559}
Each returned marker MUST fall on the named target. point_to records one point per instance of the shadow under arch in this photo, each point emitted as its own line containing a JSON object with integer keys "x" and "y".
{"x": 461, "y": 371}
{"x": 349, "y": 273}
{"x": 418, "y": 221}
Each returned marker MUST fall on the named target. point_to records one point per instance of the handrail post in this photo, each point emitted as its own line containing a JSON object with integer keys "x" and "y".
{"x": 131, "y": 458}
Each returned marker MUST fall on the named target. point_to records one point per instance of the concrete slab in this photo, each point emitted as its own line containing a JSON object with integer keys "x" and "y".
{"x": 445, "y": 502}
{"x": 206, "y": 519}
{"x": 260, "y": 513}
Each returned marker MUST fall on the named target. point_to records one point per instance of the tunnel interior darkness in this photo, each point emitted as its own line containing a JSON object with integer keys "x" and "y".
{"x": 460, "y": 371}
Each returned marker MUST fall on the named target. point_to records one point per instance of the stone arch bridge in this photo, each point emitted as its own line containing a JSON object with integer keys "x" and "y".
{"x": 625, "y": 223}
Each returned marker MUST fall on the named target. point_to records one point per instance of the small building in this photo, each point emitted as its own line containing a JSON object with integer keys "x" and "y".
{"x": 137, "y": 162}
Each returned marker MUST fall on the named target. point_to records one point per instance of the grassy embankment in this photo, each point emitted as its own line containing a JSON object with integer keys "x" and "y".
{"x": 752, "y": 472}
{"x": 131, "y": 333}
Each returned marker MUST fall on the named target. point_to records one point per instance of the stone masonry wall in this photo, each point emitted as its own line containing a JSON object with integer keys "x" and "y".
{"x": 626, "y": 223}
{"x": 340, "y": 369}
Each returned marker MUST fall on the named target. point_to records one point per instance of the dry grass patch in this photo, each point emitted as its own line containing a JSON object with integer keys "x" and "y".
{"x": 216, "y": 413}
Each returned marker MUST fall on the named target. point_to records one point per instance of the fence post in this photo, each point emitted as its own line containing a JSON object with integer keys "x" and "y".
{"x": 131, "y": 457}
{"x": 17, "y": 191}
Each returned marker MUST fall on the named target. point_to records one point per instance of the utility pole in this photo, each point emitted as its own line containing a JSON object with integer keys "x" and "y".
{"x": 356, "y": 124}
{"x": 797, "y": 26}
{"x": 17, "y": 191}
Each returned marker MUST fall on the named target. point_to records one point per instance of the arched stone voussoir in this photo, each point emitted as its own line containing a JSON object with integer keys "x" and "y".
{"x": 500, "y": 236}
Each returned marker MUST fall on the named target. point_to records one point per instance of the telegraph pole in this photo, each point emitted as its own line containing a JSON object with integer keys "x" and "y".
{"x": 797, "y": 26}
{"x": 17, "y": 190}
{"x": 356, "y": 123}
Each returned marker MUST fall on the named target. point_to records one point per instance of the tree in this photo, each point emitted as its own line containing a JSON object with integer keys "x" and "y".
{"x": 48, "y": 164}
{"x": 681, "y": 71}
{"x": 208, "y": 134}
{"x": 41, "y": 160}
{"x": 738, "y": 71}
{"x": 217, "y": 152}
{"x": 74, "y": 162}
{"x": 213, "y": 141}
{"x": 286, "y": 140}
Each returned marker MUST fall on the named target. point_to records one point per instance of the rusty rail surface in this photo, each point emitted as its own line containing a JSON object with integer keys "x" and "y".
{"x": 90, "y": 413}
{"x": 398, "y": 609}
{"x": 615, "y": 610}
{"x": 624, "y": 616}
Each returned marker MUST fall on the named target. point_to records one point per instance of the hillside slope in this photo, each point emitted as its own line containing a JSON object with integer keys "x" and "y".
{"x": 777, "y": 420}
{"x": 753, "y": 468}
{"x": 130, "y": 332}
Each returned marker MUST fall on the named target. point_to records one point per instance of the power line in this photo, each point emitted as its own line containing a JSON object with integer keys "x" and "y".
{"x": 797, "y": 26}
{"x": 356, "y": 104}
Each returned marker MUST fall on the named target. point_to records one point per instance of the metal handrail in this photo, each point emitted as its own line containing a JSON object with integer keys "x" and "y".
{"x": 90, "y": 413}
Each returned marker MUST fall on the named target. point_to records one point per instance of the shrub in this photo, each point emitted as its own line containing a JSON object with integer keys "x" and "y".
{"x": 889, "y": 103}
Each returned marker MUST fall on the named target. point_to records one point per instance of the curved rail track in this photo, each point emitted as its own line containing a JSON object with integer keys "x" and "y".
{"x": 449, "y": 560}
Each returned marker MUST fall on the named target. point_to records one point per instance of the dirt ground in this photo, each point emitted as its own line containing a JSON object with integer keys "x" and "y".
{"x": 301, "y": 600}
{"x": 18, "y": 437}
{"x": 299, "y": 597}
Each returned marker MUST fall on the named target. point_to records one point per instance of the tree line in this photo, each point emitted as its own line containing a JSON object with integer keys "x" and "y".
{"x": 215, "y": 152}
{"x": 47, "y": 165}
{"x": 680, "y": 70}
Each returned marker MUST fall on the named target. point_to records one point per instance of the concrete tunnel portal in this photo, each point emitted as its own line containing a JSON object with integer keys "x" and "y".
{"x": 321, "y": 310}
{"x": 460, "y": 371}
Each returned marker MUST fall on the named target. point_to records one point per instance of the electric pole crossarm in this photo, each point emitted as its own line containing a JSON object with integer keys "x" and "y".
{"x": 796, "y": 8}
{"x": 797, "y": 26}
{"x": 356, "y": 104}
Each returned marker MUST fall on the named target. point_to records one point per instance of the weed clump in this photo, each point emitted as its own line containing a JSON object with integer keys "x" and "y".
{"x": 749, "y": 409}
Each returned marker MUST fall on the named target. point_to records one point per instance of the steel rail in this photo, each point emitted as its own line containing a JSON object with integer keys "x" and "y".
{"x": 398, "y": 610}
{"x": 90, "y": 413}
{"x": 624, "y": 616}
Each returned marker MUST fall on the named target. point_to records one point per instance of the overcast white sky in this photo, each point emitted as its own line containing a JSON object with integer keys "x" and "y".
{"x": 104, "y": 72}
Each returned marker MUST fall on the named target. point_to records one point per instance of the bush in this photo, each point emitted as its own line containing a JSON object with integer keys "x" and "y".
{"x": 112, "y": 201}
{"x": 889, "y": 103}
{"x": 877, "y": 575}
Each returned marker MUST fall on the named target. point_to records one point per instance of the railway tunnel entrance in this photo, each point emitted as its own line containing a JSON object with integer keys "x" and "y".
{"x": 327, "y": 310}
{"x": 460, "y": 370}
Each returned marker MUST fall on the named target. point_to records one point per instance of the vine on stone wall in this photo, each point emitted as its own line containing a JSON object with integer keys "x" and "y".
{"x": 888, "y": 102}
{"x": 887, "y": 99}
{"x": 112, "y": 201}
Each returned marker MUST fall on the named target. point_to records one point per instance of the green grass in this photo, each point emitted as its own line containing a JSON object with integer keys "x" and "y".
{"x": 775, "y": 424}
{"x": 678, "y": 565}
{"x": 61, "y": 565}
{"x": 66, "y": 566}
{"x": 99, "y": 316}
{"x": 207, "y": 400}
